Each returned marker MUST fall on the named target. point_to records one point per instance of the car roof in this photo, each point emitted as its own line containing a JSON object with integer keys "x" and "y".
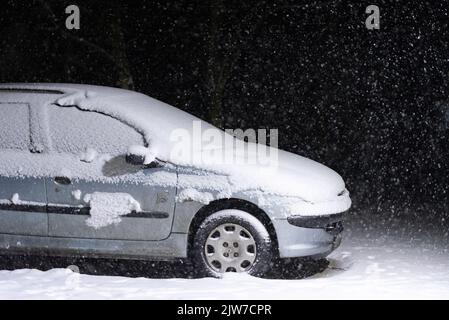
{"x": 156, "y": 120}
{"x": 62, "y": 88}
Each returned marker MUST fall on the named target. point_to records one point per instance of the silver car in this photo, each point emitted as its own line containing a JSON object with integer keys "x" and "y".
{"x": 91, "y": 171}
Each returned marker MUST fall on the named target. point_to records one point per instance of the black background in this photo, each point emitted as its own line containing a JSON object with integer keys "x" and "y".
{"x": 371, "y": 104}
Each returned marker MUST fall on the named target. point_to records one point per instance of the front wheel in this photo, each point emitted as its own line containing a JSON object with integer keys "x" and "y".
{"x": 232, "y": 241}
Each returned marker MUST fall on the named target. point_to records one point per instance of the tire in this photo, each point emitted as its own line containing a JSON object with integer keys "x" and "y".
{"x": 231, "y": 241}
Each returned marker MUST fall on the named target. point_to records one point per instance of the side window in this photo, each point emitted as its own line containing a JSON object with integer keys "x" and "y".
{"x": 74, "y": 131}
{"x": 14, "y": 126}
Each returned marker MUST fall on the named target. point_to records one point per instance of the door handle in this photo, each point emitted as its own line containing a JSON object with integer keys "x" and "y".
{"x": 62, "y": 180}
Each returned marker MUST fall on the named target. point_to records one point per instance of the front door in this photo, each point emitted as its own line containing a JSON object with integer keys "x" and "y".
{"x": 95, "y": 194}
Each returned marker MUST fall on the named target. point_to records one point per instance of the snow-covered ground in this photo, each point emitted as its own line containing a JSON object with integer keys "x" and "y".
{"x": 384, "y": 262}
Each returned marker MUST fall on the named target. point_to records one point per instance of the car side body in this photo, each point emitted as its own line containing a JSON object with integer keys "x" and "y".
{"x": 56, "y": 156}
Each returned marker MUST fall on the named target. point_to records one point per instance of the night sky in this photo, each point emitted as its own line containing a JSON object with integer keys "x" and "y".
{"x": 371, "y": 104}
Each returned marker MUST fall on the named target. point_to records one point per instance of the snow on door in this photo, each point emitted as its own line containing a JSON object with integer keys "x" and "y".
{"x": 94, "y": 193}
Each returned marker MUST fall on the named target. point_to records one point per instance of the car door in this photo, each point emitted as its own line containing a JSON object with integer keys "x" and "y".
{"x": 22, "y": 187}
{"x": 96, "y": 184}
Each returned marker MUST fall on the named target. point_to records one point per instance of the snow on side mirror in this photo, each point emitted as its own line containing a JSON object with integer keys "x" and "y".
{"x": 139, "y": 155}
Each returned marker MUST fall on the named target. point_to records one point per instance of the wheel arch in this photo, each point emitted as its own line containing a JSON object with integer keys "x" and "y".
{"x": 232, "y": 203}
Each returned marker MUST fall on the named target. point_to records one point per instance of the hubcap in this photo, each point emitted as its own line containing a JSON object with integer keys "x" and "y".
{"x": 230, "y": 248}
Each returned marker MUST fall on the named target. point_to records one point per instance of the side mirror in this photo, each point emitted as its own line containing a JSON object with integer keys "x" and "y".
{"x": 156, "y": 164}
{"x": 135, "y": 159}
{"x": 139, "y": 155}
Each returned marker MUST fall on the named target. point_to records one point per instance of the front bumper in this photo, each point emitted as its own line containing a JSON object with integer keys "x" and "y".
{"x": 333, "y": 223}
{"x": 304, "y": 236}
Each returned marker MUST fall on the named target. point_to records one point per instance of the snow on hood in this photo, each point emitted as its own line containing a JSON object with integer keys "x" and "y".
{"x": 299, "y": 176}
{"x": 293, "y": 175}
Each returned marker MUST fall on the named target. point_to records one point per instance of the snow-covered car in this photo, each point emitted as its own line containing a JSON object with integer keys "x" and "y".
{"x": 105, "y": 172}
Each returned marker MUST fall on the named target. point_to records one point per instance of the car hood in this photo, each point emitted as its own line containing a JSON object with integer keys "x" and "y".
{"x": 305, "y": 178}
{"x": 287, "y": 174}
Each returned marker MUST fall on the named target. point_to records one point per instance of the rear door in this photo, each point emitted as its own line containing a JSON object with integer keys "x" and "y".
{"x": 22, "y": 187}
{"x": 95, "y": 183}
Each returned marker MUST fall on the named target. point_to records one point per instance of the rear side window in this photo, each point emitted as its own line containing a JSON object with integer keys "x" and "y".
{"x": 14, "y": 126}
{"x": 74, "y": 131}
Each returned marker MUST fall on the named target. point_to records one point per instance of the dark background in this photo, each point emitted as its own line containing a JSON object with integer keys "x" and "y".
{"x": 371, "y": 104}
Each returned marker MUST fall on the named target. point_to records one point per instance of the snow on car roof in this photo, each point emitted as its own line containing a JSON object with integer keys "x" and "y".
{"x": 156, "y": 120}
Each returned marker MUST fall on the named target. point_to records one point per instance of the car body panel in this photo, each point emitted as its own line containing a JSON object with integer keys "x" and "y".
{"x": 22, "y": 196}
{"x": 157, "y": 203}
{"x": 172, "y": 247}
{"x": 295, "y": 241}
{"x": 27, "y": 215}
